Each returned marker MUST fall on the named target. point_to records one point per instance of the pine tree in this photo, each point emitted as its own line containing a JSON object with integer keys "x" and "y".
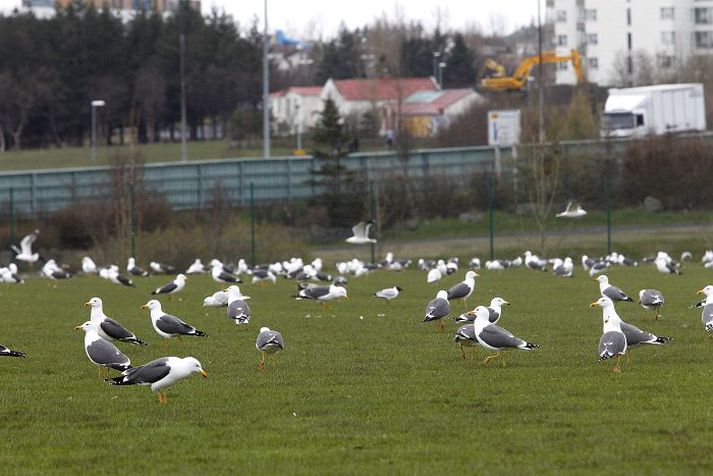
{"x": 460, "y": 71}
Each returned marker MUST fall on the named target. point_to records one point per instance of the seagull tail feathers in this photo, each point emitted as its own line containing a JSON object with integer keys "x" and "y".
{"x": 663, "y": 339}
{"x": 530, "y": 346}
{"x": 13, "y": 353}
{"x": 120, "y": 380}
{"x": 198, "y": 333}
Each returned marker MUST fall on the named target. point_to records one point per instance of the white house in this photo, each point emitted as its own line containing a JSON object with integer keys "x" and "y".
{"x": 295, "y": 109}
{"x": 609, "y": 34}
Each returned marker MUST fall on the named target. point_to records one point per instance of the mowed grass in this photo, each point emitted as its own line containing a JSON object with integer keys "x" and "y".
{"x": 378, "y": 395}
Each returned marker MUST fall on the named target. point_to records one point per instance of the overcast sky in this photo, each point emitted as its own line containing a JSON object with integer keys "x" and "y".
{"x": 312, "y": 17}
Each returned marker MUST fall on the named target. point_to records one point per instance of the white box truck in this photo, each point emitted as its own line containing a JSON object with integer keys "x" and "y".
{"x": 660, "y": 109}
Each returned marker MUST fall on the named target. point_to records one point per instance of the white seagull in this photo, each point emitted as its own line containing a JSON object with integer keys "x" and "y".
{"x": 651, "y": 299}
{"x": 100, "y": 351}
{"x": 492, "y": 336}
{"x": 24, "y": 252}
{"x": 88, "y": 265}
{"x": 107, "y": 327}
{"x": 168, "y": 326}
{"x": 464, "y": 289}
{"x": 173, "y": 287}
{"x": 238, "y": 310}
{"x": 437, "y": 308}
{"x": 573, "y": 210}
{"x": 268, "y": 342}
{"x": 610, "y": 291}
{"x": 388, "y": 293}
{"x": 196, "y": 268}
{"x": 160, "y": 373}
{"x": 613, "y": 341}
{"x": 135, "y": 270}
{"x": 361, "y": 234}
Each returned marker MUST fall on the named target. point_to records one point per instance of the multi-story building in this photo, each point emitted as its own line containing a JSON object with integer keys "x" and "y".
{"x": 45, "y": 8}
{"x": 621, "y": 39}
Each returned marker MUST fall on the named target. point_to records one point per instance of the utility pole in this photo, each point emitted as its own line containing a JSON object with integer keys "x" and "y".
{"x": 265, "y": 92}
{"x": 540, "y": 83}
{"x": 184, "y": 150}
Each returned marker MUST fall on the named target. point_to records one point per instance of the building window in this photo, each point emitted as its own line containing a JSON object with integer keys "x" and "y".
{"x": 668, "y": 38}
{"x": 561, "y": 16}
{"x": 703, "y": 39}
{"x": 562, "y": 66}
{"x": 703, "y": 16}
{"x": 664, "y": 61}
{"x": 590, "y": 14}
{"x": 628, "y": 16}
{"x": 561, "y": 40}
{"x": 667, "y": 13}
{"x": 592, "y": 39}
{"x": 593, "y": 63}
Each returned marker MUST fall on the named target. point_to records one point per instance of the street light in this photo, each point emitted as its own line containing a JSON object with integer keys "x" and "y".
{"x": 436, "y": 55}
{"x": 265, "y": 91}
{"x": 299, "y": 126}
{"x": 95, "y": 104}
{"x": 441, "y": 67}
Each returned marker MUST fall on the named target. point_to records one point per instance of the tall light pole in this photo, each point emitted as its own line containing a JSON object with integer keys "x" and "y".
{"x": 265, "y": 92}
{"x": 540, "y": 83}
{"x": 298, "y": 115}
{"x": 184, "y": 150}
{"x": 441, "y": 66}
{"x": 95, "y": 104}
{"x": 436, "y": 55}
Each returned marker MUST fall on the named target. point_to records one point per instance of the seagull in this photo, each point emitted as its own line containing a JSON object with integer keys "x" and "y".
{"x": 492, "y": 336}
{"x": 666, "y": 266}
{"x": 116, "y": 277}
{"x": 217, "y": 299}
{"x": 573, "y": 210}
{"x": 651, "y": 299}
{"x": 24, "y": 252}
{"x": 8, "y": 276}
{"x": 160, "y": 373}
{"x": 161, "y": 268}
{"x": 361, "y": 234}
{"x": 88, "y": 266}
{"x": 388, "y": 293}
{"x": 707, "y": 305}
{"x": 323, "y": 293}
{"x": 135, "y": 270}
{"x": 221, "y": 276}
{"x": 53, "y": 271}
{"x": 535, "y": 262}
{"x": 465, "y": 337}
{"x": 168, "y": 326}
{"x": 101, "y": 351}
{"x": 564, "y": 268}
{"x": 613, "y": 341}
{"x": 495, "y": 311}
{"x": 261, "y": 275}
{"x": 173, "y": 287}
{"x": 464, "y": 289}
{"x": 268, "y": 342}
{"x": 434, "y": 275}
{"x": 238, "y": 309}
{"x": 612, "y": 292}
{"x": 5, "y": 352}
{"x": 437, "y": 308}
{"x": 196, "y": 268}
{"x": 107, "y": 327}
{"x": 634, "y": 335}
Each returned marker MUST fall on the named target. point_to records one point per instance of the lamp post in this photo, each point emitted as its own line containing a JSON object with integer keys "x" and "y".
{"x": 265, "y": 91}
{"x": 436, "y": 55}
{"x": 95, "y": 104}
{"x": 298, "y": 115}
{"x": 441, "y": 67}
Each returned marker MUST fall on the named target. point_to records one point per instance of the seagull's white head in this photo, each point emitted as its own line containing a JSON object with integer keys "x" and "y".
{"x": 181, "y": 278}
{"x": 233, "y": 290}
{"x": 471, "y": 275}
{"x": 602, "y": 278}
{"x": 339, "y": 291}
{"x": 481, "y": 312}
{"x": 88, "y": 326}
{"x": 498, "y": 301}
{"x": 603, "y": 302}
{"x": 195, "y": 366}
{"x": 264, "y": 329}
{"x": 94, "y": 303}
{"x": 707, "y": 290}
{"x": 442, "y": 294}
{"x": 214, "y": 262}
{"x": 132, "y": 262}
{"x": 152, "y": 305}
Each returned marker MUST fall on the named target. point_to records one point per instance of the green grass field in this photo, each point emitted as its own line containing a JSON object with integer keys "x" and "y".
{"x": 359, "y": 393}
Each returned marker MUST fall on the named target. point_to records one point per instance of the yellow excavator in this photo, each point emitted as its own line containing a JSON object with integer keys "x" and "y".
{"x": 498, "y": 81}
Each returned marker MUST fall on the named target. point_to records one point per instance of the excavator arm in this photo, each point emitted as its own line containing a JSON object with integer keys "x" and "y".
{"x": 518, "y": 80}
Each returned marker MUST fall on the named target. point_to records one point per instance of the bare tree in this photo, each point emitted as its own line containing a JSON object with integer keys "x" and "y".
{"x": 542, "y": 172}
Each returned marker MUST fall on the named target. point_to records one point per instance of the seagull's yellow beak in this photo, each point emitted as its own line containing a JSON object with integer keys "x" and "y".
{"x": 77, "y": 328}
{"x": 477, "y": 275}
{"x": 347, "y": 298}
{"x": 505, "y": 302}
{"x": 225, "y": 290}
{"x": 87, "y": 304}
{"x": 595, "y": 279}
{"x": 700, "y": 291}
{"x": 145, "y": 306}
{"x": 594, "y": 304}
{"x": 203, "y": 373}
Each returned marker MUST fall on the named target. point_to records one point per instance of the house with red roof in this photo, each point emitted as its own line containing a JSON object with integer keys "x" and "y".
{"x": 378, "y": 96}
{"x": 425, "y": 112}
{"x": 295, "y": 108}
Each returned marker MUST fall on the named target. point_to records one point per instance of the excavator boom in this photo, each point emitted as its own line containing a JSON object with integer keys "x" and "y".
{"x": 518, "y": 80}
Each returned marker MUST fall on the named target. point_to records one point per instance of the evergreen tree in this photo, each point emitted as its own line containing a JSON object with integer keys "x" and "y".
{"x": 460, "y": 70}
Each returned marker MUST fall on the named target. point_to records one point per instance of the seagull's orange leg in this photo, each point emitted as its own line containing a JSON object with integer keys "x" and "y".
{"x": 262, "y": 362}
{"x": 617, "y": 367}
{"x": 462, "y": 351}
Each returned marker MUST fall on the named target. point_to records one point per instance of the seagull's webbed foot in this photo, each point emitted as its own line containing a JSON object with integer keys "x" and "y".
{"x": 162, "y": 398}
{"x": 487, "y": 360}
{"x": 462, "y": 351}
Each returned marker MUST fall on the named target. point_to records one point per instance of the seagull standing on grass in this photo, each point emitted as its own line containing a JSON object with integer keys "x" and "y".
{"x": 173, "y": 287}
{"x": 610, "y": 291}
{"x": 495, "y": 310}
{"x": 651, "y": 299}
{"x": 437, "y": 308}
{"x": 100, "y": 351}
{"x": 465, "y": 337}
{"x": 464, "y": 289}
{"x": 494, "y": 337}
{"x": 613, "y": 341}
{"x": 238, "y": 310}
{"x": 88, "y": 266}
{"x": 160, "y": 373}
{"x": 388, "y": 293}
{"x": 634, "y": 335}
{"x": 268, "y": 342}
{"x": 168, "y": 326}
{"x": 220, "y": 275}
{"x": 107, "y": 327}
{"x": 135, "y": 270}
{"x": 707, "y": 305}
{"x": 361, "y": 234}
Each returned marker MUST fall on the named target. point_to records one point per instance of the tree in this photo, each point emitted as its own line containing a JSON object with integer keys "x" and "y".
{"x": 460, "y": 70}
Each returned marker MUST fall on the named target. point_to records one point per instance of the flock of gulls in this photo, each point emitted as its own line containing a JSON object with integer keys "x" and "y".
{"x": 480, "y": 325}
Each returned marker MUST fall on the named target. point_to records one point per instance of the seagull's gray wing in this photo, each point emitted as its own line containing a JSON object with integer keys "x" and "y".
{"x": 149, "y": 373}
{"x": 611, "y": 343}
{"x": 238, "y": 309}
{"x": 707, "y": 315}
{"x": 173, "y": 325}
{"x": 166, "y": 288}
{"x": 115, "y": 330}
{"x": 493, "y": 315}
{"x": 616, "y": 294}
{"x": 103, "y": 352}
{"x": 652, "y": 297}
{"x": 437, "y": 309}
{"x": 499, "y": 338}
{"x": 635, "y": 336}
{"x": 269, "y": 339}
{"x": 465, "y": 334}
{"x": 315, "y": 292}
{"x": 359, "y": 230}
{"x": 458, "y": 291}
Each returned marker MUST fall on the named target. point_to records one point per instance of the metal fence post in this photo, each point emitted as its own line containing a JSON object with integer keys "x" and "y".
{"x": 132, "y": 220}
{"x": 12, "y": 215}
{"x": 372, "y": 211}
{"x": 607, "y": 185}
{"x": 490, "y": 216}
{"x": 289, "y": 179}
{"x": 252, "y": 223}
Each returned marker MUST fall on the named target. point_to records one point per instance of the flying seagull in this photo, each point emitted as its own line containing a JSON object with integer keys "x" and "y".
{"x": 361, "y": 233}
{"x": 24, "y": 252}
{"x": 573, "y": 210}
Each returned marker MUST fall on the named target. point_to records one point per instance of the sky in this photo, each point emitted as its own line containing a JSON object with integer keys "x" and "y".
{"x": 315, "y": 18}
